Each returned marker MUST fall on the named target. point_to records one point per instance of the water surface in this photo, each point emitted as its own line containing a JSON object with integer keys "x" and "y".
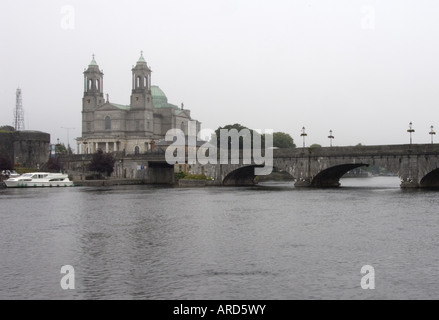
{"x": 266, "y": 242}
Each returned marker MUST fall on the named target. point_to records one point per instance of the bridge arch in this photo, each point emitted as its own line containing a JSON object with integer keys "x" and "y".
{"x": 244, "y": 176}
{"x": 431, "y": 180}
{"x": 330, "y": 177}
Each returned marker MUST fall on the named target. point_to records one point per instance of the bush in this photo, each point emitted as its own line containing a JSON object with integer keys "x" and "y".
{"x": 196, "y": 177}
{"x": 5, "y": 163}
{"x": 23, "y": 170}
{"x": 102, "y": 162}
{"x": 180, "y": 175}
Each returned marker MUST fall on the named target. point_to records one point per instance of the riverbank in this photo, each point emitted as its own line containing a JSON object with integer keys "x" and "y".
{"x": 107, "y": 183}
{"x": 276, "y": 176}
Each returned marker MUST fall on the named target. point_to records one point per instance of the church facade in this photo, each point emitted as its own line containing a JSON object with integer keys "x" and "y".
{"x": 133, "y": 128}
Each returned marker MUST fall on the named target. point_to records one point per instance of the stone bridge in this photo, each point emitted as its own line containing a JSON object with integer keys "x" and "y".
{"x": 416, "y": 165}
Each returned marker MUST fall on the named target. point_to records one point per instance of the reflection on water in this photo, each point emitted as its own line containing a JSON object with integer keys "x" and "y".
{"x": 266, "y": 242}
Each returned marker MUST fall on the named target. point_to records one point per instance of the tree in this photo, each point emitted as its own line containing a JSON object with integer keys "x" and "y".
{"x": 239, "y": 128}
{"x": 5, "y": 163}
{"x": 102, "y": 162}
{"x": 283, "y": 140}
{"x": 315, "y": 145}
{"x": 54, "y": 165}
{"x": 62, "y": 149}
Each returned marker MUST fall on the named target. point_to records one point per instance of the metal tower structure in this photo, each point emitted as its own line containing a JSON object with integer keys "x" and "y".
{"x": 19, "y": 112}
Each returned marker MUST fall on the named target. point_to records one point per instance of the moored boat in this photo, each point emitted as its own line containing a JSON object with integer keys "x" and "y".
{"x": 39, "y": 179}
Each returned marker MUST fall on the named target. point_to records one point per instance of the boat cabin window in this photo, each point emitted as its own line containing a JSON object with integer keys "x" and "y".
{"x": 39, "y": 176}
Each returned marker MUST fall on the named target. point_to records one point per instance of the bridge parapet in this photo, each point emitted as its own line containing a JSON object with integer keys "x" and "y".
{"x": 415, "y": 165}
{"x": 384, "y": 150}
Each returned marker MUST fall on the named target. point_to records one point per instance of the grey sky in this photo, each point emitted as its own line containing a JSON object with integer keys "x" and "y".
{"x": 364, "y": 69}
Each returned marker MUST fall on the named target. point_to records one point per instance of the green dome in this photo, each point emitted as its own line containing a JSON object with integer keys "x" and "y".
{"x": 158, "y": 94}
{"x": 159, "y": 99}
{"x": 141, "y": 59}
{"x": 93, "y": 62}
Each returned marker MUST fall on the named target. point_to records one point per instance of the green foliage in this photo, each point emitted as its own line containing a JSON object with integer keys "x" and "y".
{"x": 250, "y": 135}
{"x": 283, "y": 140}
{"x": 23, "y": 170}
{"x": 5, "y": 163}
{"x": 102, "y": 162}
{"x": 62, "y": 149}
{"x": 280, "y": 139}
{"x": 180, "y": 175}
{"x": 196, "y": 177}
{"x": 315, "y": 145}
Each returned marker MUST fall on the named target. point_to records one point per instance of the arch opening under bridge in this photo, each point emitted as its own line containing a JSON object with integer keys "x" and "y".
{"x": 330, "y": 177}
{"x": 431, "y": 180}
{"x": 244, "y": 176}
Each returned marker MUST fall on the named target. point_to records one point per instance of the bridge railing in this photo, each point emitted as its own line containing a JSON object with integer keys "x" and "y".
{"x": 359, "y": 151}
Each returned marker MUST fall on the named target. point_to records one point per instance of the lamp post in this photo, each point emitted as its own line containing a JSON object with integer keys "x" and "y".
{"x": 432, "y": 133}
{"x": 303, "y": 135}
{"x": 57, "y": 146}
{"x": 411, "y": 130}
{"x": 331, "y": 137}
{"x": 68, "y": 140}
{"x": 83, "y": 166}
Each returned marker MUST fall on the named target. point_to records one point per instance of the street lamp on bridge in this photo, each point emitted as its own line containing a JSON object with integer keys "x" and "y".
{"x": 303, "y": 135}
{"x": 331, "y": 137}
{"x": 68, "y": 138}
{"x": 432, "y": 133}
{"x": 411, "y": 130}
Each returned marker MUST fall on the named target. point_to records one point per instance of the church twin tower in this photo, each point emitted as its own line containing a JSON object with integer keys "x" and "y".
{"x": 133, "y": 128}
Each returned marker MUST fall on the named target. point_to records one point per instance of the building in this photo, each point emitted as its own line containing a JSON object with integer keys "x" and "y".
{"x": 133, "y": 128}
{"x": 29, "y": 149}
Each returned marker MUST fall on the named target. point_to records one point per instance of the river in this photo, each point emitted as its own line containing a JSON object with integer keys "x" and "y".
{"x": 271, "y": 241}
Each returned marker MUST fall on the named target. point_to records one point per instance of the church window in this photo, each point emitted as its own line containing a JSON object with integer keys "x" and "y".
{"x": 88, "y": 101}
{"x": 137, "y": 150}
{"x": 137, "y": 98}
{"x": 88, "y": 126}
{"x": 138, "y": 82}
{"x": 137, "y": 125}
{"x": 97, "y": 85}
{"x": 147, "y": 125}
{"x": 90, "y": 84}
{"x": 182, "y": 126}
{"x": 107, "y": 123}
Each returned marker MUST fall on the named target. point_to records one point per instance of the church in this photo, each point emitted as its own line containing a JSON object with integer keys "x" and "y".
{"x": 133, "y": 128}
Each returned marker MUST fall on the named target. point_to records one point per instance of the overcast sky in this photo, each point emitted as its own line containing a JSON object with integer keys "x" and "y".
{"x": 364, "y": 69}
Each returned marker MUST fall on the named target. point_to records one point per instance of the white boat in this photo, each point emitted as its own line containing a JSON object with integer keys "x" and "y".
{"x": 10, "y": 173}
{"x": 39, "y": 179}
